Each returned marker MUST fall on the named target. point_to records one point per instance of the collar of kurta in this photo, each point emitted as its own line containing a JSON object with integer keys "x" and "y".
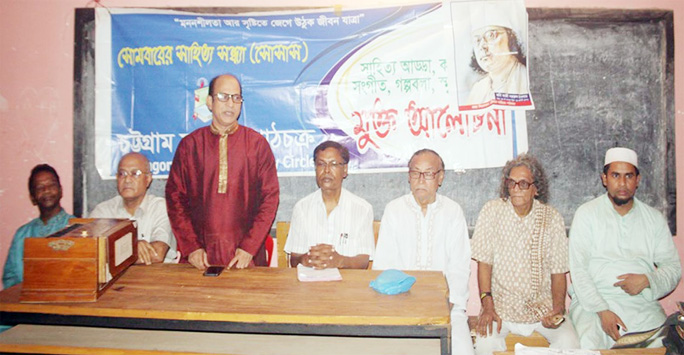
{"x": 223, "y": 155}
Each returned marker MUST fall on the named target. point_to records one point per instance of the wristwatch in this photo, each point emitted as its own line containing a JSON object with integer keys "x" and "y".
{"x": 485, "y": 294}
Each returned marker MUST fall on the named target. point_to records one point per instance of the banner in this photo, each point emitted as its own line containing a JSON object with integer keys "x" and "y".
{"x": 375, "y": 80}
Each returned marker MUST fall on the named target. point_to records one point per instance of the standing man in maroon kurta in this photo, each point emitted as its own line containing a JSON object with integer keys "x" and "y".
{"x": 222, "y": 192}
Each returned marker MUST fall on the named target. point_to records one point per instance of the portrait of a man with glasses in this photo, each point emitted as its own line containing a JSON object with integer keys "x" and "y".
{"x": 222, "y": 193}
{"x": 521, "y": 251}
{"x": 424, "y": 230}
{"x": 498, "y": 55}
{"x": 331, "y": 227}
{"x": 156, "y": 242}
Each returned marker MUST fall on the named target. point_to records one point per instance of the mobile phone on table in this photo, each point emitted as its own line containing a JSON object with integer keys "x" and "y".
{"x": 214, "y": 270}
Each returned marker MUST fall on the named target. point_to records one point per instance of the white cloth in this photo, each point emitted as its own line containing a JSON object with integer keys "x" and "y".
{"x": 604, "y": 245}
{"x": 562, "y": 337}
{"x": 348, "y": 228}
{"x": 150, "y": 217}
{"x": 437, "y": 241}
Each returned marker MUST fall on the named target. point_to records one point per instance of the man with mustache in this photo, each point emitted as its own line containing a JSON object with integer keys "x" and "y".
{"x": 331, "y": 228}
{"x": 498, "y": 55}
{"x": 46, "y": 193}
{"x": 222, "y": 193}
{"x": 622, "y": 259}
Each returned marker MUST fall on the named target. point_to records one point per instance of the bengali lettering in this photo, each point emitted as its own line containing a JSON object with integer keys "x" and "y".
{"x": 231, "y": 54}
{"x": 252, "y": 22}
{"x": 137, "y": 142}
{"x": 195, "y": 53}
{"x": 153, "y": 56}
{"x": 198, "y": 22}
{"x": 324, "y": 21}
{"x": 288, "y": 138}
{"x": 372, "y": 125}
{"x": 270, "y": 53}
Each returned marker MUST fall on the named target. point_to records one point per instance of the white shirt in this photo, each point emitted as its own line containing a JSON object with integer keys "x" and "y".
{"x": 348, "y": 228}
{"x": 437, "y": 241}
{"x": 151, "y": 219}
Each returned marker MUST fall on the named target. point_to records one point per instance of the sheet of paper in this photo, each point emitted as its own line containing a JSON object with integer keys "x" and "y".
{"x": 309, "y": 274}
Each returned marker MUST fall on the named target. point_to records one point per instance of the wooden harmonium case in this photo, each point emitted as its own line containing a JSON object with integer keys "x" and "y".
{"x": 79, "y": 262}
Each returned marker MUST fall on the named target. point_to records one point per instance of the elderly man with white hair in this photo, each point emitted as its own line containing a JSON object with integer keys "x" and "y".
{"x": 424, "y": 230}
{"x": 622, "y": 259}
{"x": 521, "y": 250}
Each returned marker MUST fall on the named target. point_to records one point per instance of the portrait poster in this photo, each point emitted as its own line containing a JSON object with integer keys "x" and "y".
{"x": 372, "y": 79}
{"x": 490, "y": 46}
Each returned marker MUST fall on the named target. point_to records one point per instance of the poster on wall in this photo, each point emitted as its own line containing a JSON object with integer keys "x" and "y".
{"x": 490, "y": 44}
{"x": 375, "y": 80}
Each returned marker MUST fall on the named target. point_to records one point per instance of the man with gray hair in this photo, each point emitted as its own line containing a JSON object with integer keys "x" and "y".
{"x": 427, "y": 231}
{"x": 156, "y": 242}
{"x": 522, "y": 253}
{"x": 622, "y": 259}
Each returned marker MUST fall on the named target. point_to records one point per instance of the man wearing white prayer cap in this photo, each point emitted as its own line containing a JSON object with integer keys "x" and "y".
{"x": 498, "y": 53}
{"x": 622, "y": 259}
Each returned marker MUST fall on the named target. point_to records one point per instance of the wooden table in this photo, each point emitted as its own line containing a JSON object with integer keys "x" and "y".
{"x": 259, "y": 300}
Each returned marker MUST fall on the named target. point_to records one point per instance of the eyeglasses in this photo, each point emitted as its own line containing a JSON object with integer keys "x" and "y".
{"x": 331, "y": 165}
{"x": 223, "y": 97}
{"x": 135, "y": 174}
{"x": 522, "y": 184}
{"x": 490, "y": 37}
{"x": 427, "y": 175}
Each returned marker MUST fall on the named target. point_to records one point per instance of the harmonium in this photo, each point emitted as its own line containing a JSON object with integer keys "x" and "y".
{"x": 79, "y": 262}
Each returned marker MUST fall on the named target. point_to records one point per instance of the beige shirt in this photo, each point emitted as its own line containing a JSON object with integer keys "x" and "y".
{"x": 522, "y": 264}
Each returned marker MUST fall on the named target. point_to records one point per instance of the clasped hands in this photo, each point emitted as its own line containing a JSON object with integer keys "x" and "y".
{"x": 321, "y": 256}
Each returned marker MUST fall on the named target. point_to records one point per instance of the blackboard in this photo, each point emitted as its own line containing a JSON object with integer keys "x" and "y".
{"x": 599, "y": 78}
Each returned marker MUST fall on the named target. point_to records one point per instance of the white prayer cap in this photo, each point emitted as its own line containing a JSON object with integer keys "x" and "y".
{"x": 621, "y": 154}
{"x": 495, "y": 13}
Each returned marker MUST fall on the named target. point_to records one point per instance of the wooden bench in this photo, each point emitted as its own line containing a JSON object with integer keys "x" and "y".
{"x": 49, "y": 339}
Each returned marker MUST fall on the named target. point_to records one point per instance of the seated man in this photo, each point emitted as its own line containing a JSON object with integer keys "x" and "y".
{"x": 427, "y": 231}
{"x": 331, "y": 228}
{"x": 522, "y": 253}
{"x": 156, "y": 242}
{"x": 46, "y": 193}
{"x": 622, "y": 259}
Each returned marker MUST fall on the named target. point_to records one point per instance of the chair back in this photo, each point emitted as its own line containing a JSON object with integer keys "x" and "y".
{"x": 282, "y": 230}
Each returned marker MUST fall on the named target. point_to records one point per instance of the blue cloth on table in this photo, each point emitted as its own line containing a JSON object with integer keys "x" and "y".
{"x": 392, "y": 282}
